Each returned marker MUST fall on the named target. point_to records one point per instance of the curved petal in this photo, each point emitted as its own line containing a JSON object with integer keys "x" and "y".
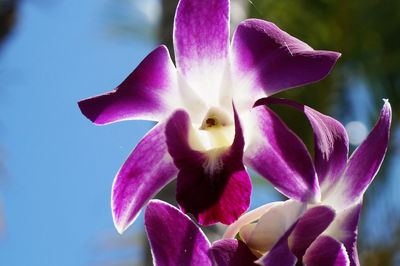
{"x": 298, "y": 236}
{"x": 331, "y": 143}
{"x": 201, "y": 42}
{"x": 232, "y": 252}
{"x": 280, "y": 254}
{"x": 148, "y": 93}
{"x": 272, "y": 225}
{"x": 363, "y": 164}
{"x": 308, "y": 228}
{"x": 269, "y": 60}
{"x": 247, "y": 218}
{"x": 278, "y": 155}
{"x": 148, "y": 169}
{"x": 213, "y": 185}
{"x": 344, "y": 229}
{"x": 326, "y": 251}
{"x": 174, "y": 238}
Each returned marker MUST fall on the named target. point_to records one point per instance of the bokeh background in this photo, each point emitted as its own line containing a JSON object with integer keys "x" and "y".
{"x": 56, "y": 168}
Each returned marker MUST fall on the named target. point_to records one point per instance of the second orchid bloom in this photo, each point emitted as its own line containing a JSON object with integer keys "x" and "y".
{"x": 286, "y": 233}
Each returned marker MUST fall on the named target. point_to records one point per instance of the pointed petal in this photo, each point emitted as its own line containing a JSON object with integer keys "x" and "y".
{"x": 269, "y": 60}
{"x": 308, "y": 228}
{"x": 213, "y": 185}
{"x": 280, "y": 254}
{"x": 148, "y": 168}
{"x": 148, "y": 93}
{"x": 278, "y": 155}
{"x": 331, "y": 144}
{"x": 326, "y": 251}
{"x": 345, "y": 229}
{"x": 201, "y": 41}
{"x": 363, "y": 164}
{"x": 273, "y": 224}
{"x": 174, "y": 238}
{"x": 247, "y": 218}
{"x": 231, "y": 252}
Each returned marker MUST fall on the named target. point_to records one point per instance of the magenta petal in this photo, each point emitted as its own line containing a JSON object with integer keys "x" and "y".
{"x": 308, "y": 228}
{"x": 174, "y": 238}
{"x": 331, "y": 144}
{"x": 145, "y": 94}
{"x": 201, "y": 39}
{"x": 278, "y": 155}
{"x": 326, "y": 251}
{"x": 231, "y": 252}
{"x": 280, "y": 254}
{"x": 363, "y": 164}
{"x": 350, "y": 227}
{"x": 147, "y": 169}
{"x": 212, "y": 189}
{"x": 275, "y": 60}
{"x": 344, "y": 229}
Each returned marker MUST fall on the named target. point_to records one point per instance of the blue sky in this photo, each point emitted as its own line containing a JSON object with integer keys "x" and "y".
{"x": 60, "y": 167}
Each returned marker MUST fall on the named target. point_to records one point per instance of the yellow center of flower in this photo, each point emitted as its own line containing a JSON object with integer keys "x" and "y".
{"x": 217, "y": 130}
{"x": 211, "y": 121}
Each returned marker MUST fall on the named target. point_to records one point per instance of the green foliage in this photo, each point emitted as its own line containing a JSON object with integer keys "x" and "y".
{"x": 365, "y": 32}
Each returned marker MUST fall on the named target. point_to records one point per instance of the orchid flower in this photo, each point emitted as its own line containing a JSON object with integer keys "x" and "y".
{"x": 203, "y": 107}
{"x": 328, "y": 235}
{"x": 176, "y": 240}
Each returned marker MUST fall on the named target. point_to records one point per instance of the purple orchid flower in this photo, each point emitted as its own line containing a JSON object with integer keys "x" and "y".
{"x": 176, "y": 240}
{"x": 290, "y": 232}
{"x": 287, "y": 233}
{"x": 204, "y": 112}
{"x": 328, "y": 235}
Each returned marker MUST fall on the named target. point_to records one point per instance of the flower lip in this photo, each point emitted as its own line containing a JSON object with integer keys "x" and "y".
{"x": 209, "y": 179}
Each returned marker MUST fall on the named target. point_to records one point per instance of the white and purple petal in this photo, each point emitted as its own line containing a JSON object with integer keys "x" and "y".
{"x": 331, "y": 144}
{"x": 362, "y": 165}
{"x": 148, "y": 169}
{"x": 344, "y": 229}
{"x": 280, "y": 254}
{"x": 291, "y": 246}
{"x": 232, "y": 252}
{"x": 263, "y": 235}
{"x": 308, "y": 228}
{"x": 326, "y": 251}
{"x": 267, "y": 60}
{"x": 201, "y": 42}
{"x": 247, "y": 218}
{"x": 150, "y": 92}
{"x": 278, "y": 155}
{"x": 212, "y": 185}
{"x": 174, "y": 238}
